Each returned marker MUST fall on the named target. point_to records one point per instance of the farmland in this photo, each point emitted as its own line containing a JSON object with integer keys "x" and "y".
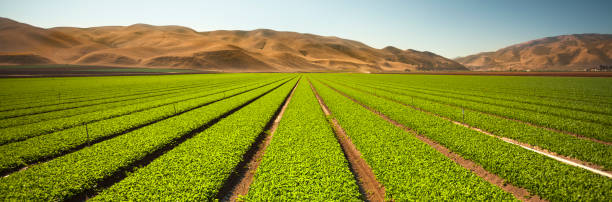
{"x": 296, "y": 137}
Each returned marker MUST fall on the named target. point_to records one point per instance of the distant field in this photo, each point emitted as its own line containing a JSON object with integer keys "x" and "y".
{"x": 304, "y": 137}
{"x": 80, "y": 70}
{"x": 493, "y": 73}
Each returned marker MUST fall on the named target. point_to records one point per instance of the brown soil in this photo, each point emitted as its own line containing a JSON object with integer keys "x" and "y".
{"x": 518, "y": 192}
{"x": 373, "y": 190}
{"x": 242, "y": 188}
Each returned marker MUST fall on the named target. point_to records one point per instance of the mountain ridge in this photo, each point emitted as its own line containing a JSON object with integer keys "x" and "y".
{"x": 575, "y": 52}
{"x": 260, "y": 50}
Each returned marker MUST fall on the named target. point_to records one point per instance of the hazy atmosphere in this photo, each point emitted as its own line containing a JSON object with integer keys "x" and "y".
{"x": 448, "y": 28}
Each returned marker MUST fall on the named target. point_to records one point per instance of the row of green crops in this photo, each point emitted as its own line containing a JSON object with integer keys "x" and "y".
{"x": 18, "y": 154}
{"x": 197, "y": 168}
{"x": 304, "y": 160}
{"x": 603, "y": 119}
{"x": 535, "y": 91}
{"x": 567, "y": 145}
{"x": 594, "y": 91}
{"x": 590, "y": 129}
{"x": 56, "y": 125}
{"x": 40, "y": 92}
{"x": 408, "y": 168}
{"x": 62, "y": 111}
{"x": 82, "y": 107}
{"x": 78, "y": 172}
{"x": 540, "y": 175}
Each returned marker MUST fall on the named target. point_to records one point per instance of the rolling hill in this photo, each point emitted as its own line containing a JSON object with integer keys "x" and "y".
{"x": 261, "y": 50}
{"x": 560, "y": 53}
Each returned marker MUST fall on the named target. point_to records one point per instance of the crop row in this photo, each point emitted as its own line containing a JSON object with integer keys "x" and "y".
{"x": 119, "y": 98}
{"x": 96, "y": 106}
{"x": 73, "y": 90}
{"x": 75, "y": 173}
{"x": 70, "y": 90}
{"x": 540, "y": 175}
{"x": 44, "y": 127}
{"x": 18, "y": 154}
{"x": 198, "y": 168}
{"x": 567, "y": 145}
{"x": 534, "y": 90}
{"x": 589, "y": 129}
{"x": 604, "y": 119}
{"x": 407, "y": 167}
{"x": 304, "y": 160}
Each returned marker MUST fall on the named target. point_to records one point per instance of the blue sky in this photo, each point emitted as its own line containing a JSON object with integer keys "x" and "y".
{"x": 450, "y": 28}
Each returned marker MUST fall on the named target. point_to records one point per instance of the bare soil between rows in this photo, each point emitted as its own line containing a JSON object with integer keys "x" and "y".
{"x": 590, "y": 165}
{"x": 518, "y": 192}
{"x": 370, "y": 187}
{"x": 243, "y": 182}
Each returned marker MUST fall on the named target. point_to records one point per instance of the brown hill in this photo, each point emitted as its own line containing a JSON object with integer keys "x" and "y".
{"x": 259, "y": 50}
{"x": 567, "y": 52}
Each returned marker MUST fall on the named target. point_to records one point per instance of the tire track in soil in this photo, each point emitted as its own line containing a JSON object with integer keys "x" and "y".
{"x": 239, "y": 182}
{"x": 597, "y": 169}
{"x": 370, "y": 188}
{"x": 518, "y": 192}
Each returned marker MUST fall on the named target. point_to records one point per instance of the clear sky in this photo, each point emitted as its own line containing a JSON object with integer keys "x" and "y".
{"x": 450, "y": 28}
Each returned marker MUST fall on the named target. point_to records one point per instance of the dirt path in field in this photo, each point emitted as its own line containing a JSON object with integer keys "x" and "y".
{"x": 562, "y": 158}
{"x": 370, "y": 187}
{"x": 519, "y": 193}
{"x": 244, "y": 182}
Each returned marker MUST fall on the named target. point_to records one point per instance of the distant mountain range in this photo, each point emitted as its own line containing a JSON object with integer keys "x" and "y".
{"x": 559, "y": 53}
{"x": 261, "y": 50}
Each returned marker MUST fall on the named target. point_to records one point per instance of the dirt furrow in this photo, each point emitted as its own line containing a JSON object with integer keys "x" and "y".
{"x": 565, "y": 159}
{"x": 243, "y": 181}
{"x": 498, "y": 116}
{"x": 369, "y": 186}
{"x": 518, "y": 192}
{"x": 122, "y": 173}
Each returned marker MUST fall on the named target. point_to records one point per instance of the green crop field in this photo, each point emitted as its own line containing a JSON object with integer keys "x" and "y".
{"x": 306, "y": 137}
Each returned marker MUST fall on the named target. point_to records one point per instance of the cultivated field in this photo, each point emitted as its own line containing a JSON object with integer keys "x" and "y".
{"x": 288, "y": 137}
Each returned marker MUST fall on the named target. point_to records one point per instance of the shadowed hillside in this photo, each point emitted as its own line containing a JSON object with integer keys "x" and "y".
{"x": 567, "y": 52}
{"x": 259, "y": 50}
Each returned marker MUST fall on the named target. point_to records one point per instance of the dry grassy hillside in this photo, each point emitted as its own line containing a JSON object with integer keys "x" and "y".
{"x": 174, "y": 46}
{"x": 567, "y": 52}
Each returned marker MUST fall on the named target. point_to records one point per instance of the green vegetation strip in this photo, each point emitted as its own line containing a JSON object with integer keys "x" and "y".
{"x": 98, "y": 106}
{"x": 198, "y": 168}
{"x": 23, "y": 132}
{"x": 563, "y": 144}
{"x": 553, "y": 112}
{"x": 304, "y": 161}
{"x": 407, "y": 167}
{"x": 540, "y": 175}
{"x": 19, "y": 154}
{"x": 493, "y": 88}
{"x": 76, "y": 173}
{"x": 101, "y": 102}
{"x": 593, "y": 130}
